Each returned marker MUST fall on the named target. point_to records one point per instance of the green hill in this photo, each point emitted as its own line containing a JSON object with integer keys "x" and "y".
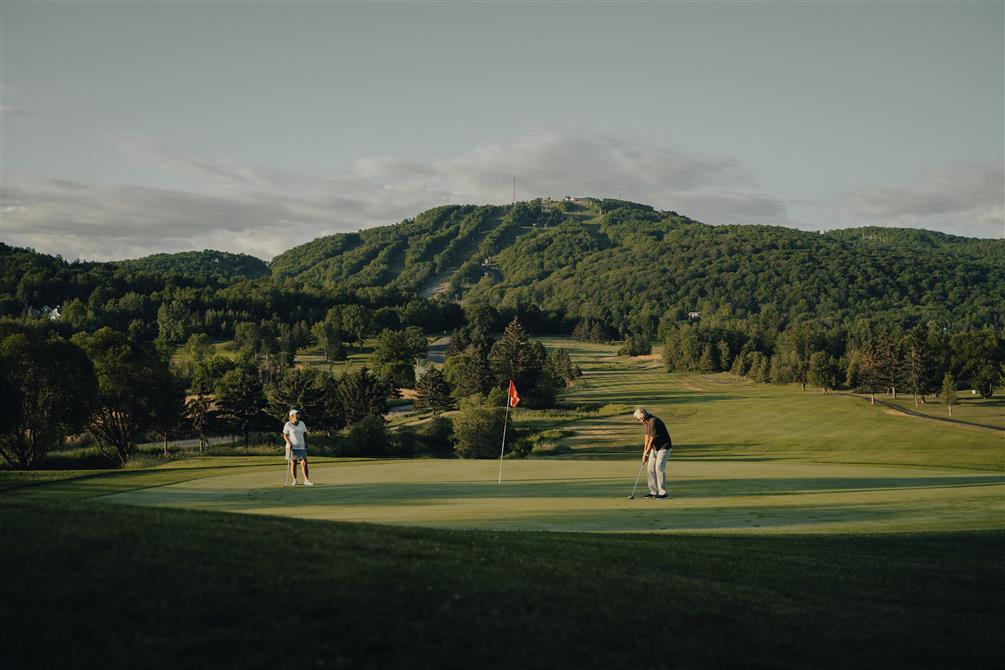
{"x": 616, "y": 261}
{"x": 207, "y": 262}
{"x": 625, "y": 265}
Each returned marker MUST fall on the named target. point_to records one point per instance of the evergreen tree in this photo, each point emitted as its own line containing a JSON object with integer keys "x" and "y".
{"x": 512, "y": 357}
{"x": 559, "y": 364}
{"x": 948, "y": 392}
{"x": 363, "y": 394}
{"x": 432, "y": 391}
{"x": 706, "y": 363}
{"x": 870, "y": 371}
{"x": 725, "y": 355}
{"x": 241, "y": 405}
{"x": 888, "y": 364}
{"x": 916, "y": 364}
{"x": 468, "y": 373}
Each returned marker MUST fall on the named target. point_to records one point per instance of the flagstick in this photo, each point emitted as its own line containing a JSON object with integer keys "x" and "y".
{"x": 503, "y": 448}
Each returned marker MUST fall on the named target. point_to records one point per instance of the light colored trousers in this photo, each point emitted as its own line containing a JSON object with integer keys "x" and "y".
{"x": 656, "y": 471}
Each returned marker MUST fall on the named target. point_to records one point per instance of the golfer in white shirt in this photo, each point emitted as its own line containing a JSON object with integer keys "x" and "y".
{"x": 295, "y": 434}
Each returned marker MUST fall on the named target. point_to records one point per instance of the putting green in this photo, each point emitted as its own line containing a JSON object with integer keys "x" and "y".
{"x": 759, "y": 496}
{"x": 748, "y": 458}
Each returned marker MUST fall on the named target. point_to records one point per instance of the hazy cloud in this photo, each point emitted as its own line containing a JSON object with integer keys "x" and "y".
{"x": 12, "y": 102}
{"x": 963, "y": 199}
{"x": 252, "y": 209}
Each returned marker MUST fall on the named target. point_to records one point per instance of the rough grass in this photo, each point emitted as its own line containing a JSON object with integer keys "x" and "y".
{"x": 113, "y": 586}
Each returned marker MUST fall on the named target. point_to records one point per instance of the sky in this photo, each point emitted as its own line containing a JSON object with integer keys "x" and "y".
{"x": 131, "y": 128}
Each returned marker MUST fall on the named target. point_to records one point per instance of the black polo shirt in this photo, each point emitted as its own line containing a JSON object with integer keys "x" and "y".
{"x": 656, "y": 429}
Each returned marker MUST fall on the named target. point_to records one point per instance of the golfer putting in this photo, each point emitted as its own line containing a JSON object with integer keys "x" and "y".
{"x": 295, "y": 435}
{"x": 655, "y": 453}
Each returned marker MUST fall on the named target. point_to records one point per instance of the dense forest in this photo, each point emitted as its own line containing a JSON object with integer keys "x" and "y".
{"x": 621, "y": 264}
{"x": 612, "y": 261}
{"x": 207, "y": 262}
{"x": 872, "y": 309}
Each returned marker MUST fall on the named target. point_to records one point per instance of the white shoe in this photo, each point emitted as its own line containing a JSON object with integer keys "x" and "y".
{"x": 308, "y": 482}
{"x": 294, "y": 483}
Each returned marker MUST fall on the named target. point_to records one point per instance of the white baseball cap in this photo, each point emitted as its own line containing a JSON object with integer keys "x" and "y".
{"x": 294, "y": 411}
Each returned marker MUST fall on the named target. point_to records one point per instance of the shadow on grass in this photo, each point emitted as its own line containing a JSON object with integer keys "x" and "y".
{"x": 410, "y": 494}
{"x": 658, "y": 515}
{"x": 644, "y": 397}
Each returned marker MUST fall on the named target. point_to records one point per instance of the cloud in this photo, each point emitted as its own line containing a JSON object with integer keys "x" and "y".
{"x": 257, "y": 210}
{"x": 10, "y": 103}
{"x": 963, "y": 199}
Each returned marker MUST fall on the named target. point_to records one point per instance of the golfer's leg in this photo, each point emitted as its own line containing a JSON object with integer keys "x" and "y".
{"x": 661, "y": 470}
{"x": 293, "y": 470}
{"x": 651, "y": 472}
{"x": 303, "y": 466}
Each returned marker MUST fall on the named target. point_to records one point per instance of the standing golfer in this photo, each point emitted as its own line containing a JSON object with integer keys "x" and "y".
{"x": 656, "y": 452}
{"x": 295, "y": 434}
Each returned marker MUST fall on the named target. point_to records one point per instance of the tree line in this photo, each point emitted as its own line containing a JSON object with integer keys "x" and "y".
{"x": 921, "y": 361}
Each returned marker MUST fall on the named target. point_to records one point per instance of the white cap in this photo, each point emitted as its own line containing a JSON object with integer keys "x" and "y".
{"x": 294, "y": 411}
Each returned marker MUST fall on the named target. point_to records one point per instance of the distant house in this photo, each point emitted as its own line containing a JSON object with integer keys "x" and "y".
{"x": 54, "y": 315}
{"x": 694, "y": 316}
{"x": 51, "y": 313}
{"x": 571, "y": 198}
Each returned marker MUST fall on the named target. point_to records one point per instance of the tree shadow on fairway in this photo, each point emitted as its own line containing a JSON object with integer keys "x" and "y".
{"x": 643, "y": 396}
{"x": 383, "y": 494}
{"x": 796, "y": 486}
{"x": 661, "y": 516}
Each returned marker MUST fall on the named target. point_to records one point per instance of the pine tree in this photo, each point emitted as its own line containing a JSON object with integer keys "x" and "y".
{"x": 242, "y": 401}
{"x": 949, "y": 392}
{"x": 916, "y": 364}
{"x": 432, "y": 391}
{"x": 514, "y": 357}
{"x": 888, "y": 364}
{"x": 363, "y": 393}
{"x": 869, "y": 373}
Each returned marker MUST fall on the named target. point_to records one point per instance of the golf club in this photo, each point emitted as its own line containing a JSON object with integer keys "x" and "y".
{"x": 632, "y": 497}
{"x": 287, "y": 464}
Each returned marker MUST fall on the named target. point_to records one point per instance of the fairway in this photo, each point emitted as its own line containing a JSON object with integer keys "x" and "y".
{"x": 706, "y": 495}
{"x": 748, "y": 458}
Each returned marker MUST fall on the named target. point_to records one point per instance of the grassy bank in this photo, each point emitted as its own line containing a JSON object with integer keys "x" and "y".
{"x": 111, "y": 586}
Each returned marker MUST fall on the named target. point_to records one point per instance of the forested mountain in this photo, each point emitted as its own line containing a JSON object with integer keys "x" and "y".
{"x": 624, "y": 265}
{"x": 616, "y": 262}
{"x": 208, "y": 262}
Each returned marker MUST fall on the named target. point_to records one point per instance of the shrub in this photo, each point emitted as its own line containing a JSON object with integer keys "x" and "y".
{"x": 438, "y": 436}
{"x": 479, "y": 425}
{"x": 636, "y": 345}
{"x": 405, "y": 441}
{"x": 368, "y": 437}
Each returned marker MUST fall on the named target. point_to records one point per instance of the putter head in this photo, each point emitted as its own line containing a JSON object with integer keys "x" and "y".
{"x": 631, "y": 497}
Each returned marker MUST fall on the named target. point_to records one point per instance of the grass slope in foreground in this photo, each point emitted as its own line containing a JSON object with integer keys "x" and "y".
{"x": 114, "y": 586}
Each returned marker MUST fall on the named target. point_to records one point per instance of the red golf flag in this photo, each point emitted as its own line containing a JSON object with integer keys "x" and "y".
{"x": 514, "y": 397}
